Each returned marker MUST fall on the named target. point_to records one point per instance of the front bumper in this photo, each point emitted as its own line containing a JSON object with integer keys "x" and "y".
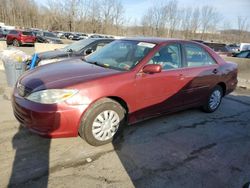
{"x": 48, "y": 120}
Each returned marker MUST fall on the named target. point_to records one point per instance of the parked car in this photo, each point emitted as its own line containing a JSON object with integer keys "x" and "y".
{"x": 243, "y": 54}
{"x": 244, "y": 46}
{"x": 76, "y": 49}
{"x": 20, "y": 37}
{"x": 3, "y": 33}
{"x": 47, "y": 37}
{"x": 127, "y": 81}
{"x": 220, "y": 48}
{"x": 2, "y": 36}
{"x": 234, "y": 48}
{"x": 75, "y": 37}
{"x": 96, "y": 36}
{"x": 67, "y": 35}
{"x": 60, "y": 34}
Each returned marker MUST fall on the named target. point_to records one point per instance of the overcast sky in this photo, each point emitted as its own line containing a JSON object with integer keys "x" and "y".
{"x": 229, "y": 9}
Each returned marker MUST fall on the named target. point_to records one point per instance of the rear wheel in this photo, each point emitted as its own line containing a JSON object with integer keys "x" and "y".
{"x": 16, "y": 43}
{"x": 214, "y": 100}
{"x": 102, "y": 122}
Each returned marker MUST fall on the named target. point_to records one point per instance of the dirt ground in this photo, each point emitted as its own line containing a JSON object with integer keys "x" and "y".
{"x": 186, "y": 149}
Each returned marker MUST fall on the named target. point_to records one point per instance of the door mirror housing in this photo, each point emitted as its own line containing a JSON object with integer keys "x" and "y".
{"x": 88, "y": 51}
{"x": 152, "y": 68}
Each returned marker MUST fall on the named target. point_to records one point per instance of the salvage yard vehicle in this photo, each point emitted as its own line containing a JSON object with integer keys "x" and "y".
{"x": 127, "y": 81}
{"x": 220, "y": 48}
{"x": 243, "y": 54}
{"x": 47, "y": 37}
{"x": 20, "y": 37}
{"x": 76, "y": 49}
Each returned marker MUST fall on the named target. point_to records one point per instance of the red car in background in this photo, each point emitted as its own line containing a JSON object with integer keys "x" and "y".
{"x": 127, "y": 81}
{"x": 19, "y": 37}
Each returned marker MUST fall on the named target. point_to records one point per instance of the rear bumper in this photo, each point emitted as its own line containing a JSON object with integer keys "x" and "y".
{"x": 27, "y": 43}
{"x": 52, "y": 121}
{"x": 27, "y": 40}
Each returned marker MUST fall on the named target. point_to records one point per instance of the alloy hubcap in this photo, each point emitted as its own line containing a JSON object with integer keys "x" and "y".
{"x": 105, "y": 125}
{"x": 215, "y": 99}
{"x": 15, "y": 43}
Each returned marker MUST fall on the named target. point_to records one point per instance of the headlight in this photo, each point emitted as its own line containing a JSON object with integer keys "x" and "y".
{"x": 51, "y": 96}
{"x": 47, "y": 61}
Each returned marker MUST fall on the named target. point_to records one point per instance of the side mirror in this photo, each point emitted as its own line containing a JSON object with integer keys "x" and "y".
{"x": 88, "y": 51}
{"x": 152, "y": 68}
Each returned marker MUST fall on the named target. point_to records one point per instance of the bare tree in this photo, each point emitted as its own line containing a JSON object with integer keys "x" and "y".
{"x": 171, "y": 16}
{"x": 209, "y": 19}
{"x": 186, "y": 22}
{"x": 118, "y": 16}
{"x": 195, "y": 21}
{"x": 242, "y": 27}
{"x": 164, "y": 19}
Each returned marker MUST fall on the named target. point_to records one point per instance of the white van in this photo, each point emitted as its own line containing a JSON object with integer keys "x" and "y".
{"x": 244, "y": 46}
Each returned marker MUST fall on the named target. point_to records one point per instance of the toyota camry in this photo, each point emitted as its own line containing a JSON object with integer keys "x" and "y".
{"x": 127, "y": 81}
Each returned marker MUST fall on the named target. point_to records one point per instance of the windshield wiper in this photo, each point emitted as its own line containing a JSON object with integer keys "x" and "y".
{"x": 96, "y": 63}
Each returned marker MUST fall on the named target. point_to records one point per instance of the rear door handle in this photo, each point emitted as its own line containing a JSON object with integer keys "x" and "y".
{"x": 215, "y": 71}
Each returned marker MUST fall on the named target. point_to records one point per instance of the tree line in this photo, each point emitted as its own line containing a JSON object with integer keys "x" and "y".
{"x": 162, "y": 19}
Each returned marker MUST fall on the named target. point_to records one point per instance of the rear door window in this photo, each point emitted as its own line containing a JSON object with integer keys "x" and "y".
{"x": 196, "y": 56}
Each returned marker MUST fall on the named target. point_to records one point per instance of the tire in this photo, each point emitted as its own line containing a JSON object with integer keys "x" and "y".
{"x": 16, "y": 43}
{"x": 214, "y": 100}
{"x": 103, "y": 109}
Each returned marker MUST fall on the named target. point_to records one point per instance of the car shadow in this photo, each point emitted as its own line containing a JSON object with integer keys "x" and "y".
{"x": 31, "y": 161}
{"x": 189, "y": 148}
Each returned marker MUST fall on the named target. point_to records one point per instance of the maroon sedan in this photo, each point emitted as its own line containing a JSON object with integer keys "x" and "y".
{"x": 127, "y": 81}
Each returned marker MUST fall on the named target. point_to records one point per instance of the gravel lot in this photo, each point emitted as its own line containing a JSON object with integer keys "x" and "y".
{"x": 186, "y": 149}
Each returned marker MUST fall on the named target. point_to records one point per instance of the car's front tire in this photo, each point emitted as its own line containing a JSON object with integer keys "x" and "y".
{"x": 214, "y": 99}
{"x": 102, "y": 122}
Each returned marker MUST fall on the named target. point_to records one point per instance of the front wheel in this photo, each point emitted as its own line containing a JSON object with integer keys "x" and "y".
{"x": 214, "y": 100}
{"x": 102, "y": 122}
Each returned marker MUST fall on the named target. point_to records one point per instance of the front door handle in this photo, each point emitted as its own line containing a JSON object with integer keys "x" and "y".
{"x": 182, "y": 77}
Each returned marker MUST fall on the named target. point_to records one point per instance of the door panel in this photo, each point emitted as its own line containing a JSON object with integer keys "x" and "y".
{"x": 158, "y": 93}
{"x": 201, "y": 71}
{"x": 199, "y": 82}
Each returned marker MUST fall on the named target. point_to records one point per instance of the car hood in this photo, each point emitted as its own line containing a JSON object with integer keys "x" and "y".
{"x": 53, "y": 54}
{"x": 63, "y": 74}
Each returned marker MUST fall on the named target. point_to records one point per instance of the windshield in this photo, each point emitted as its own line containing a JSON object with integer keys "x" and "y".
{"x": 77, "y": 46}
{"x": 121, "y": 54}
{"x": 49, "y": 34}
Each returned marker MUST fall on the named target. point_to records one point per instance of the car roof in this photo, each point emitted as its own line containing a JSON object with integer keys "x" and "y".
{"x": 97, "y": 39}
{"x": 155, "y": 40}
{"x": 20, "y": 30}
